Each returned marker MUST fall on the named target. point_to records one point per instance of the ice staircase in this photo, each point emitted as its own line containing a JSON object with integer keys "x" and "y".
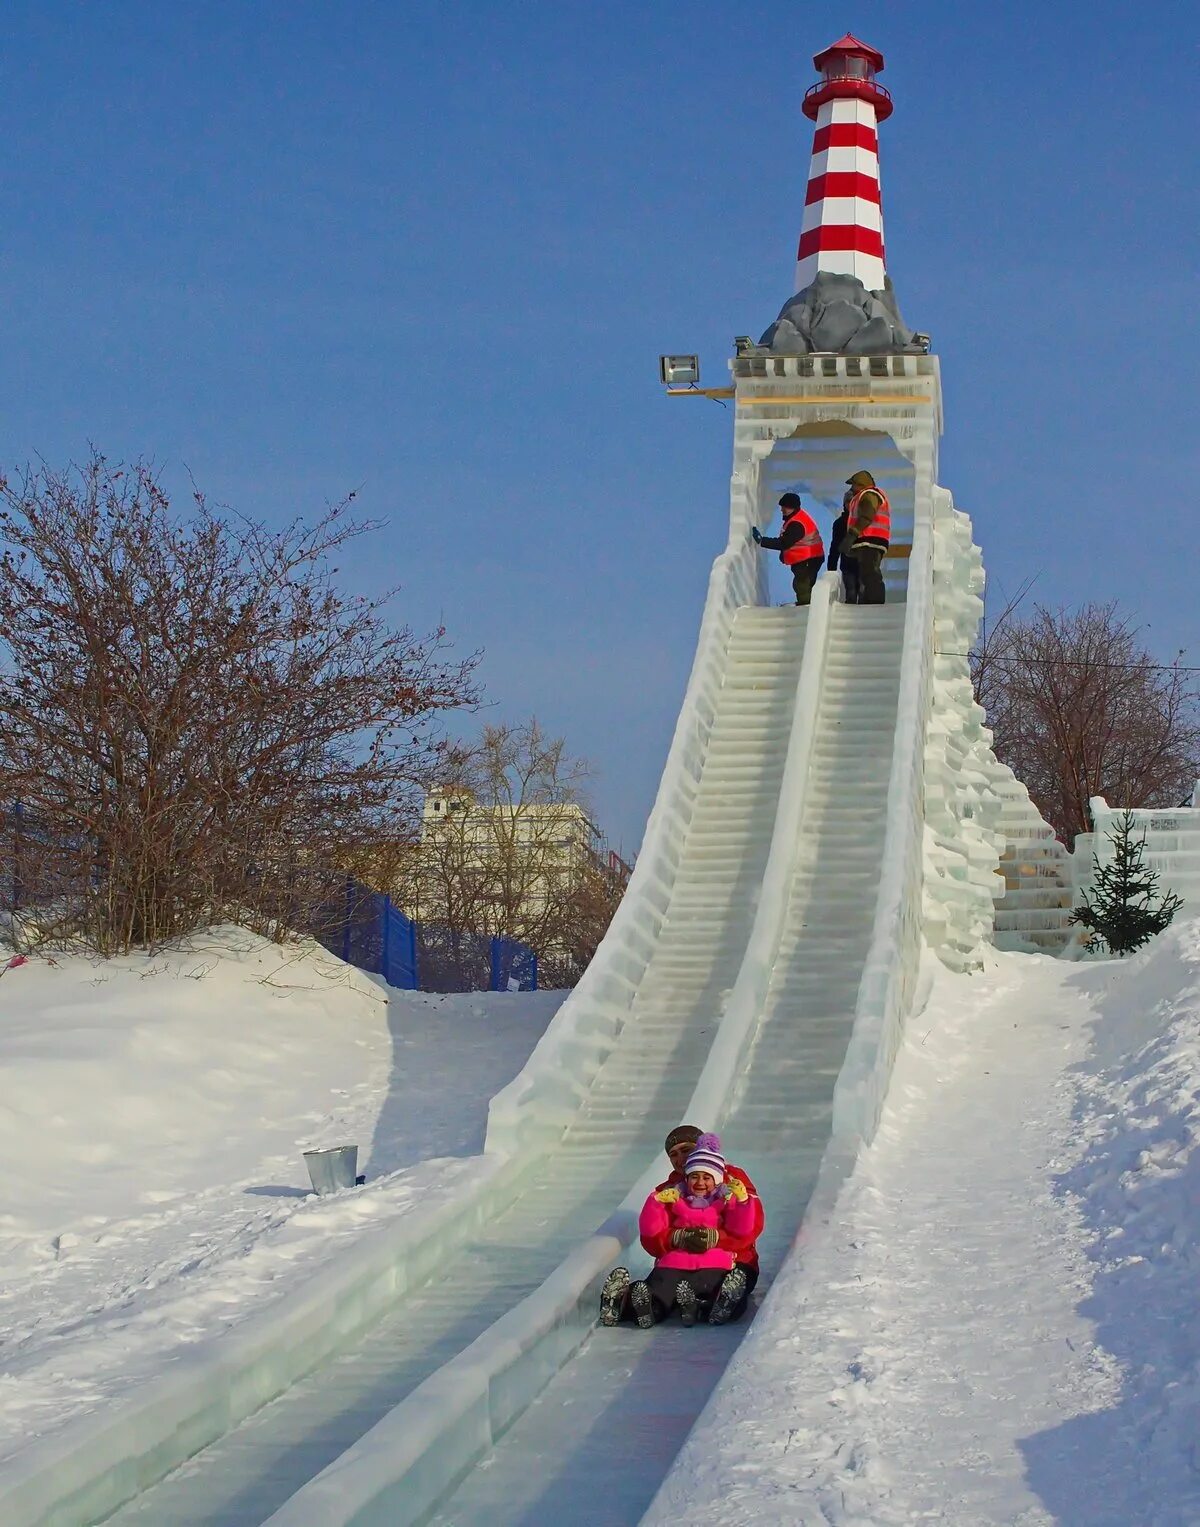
{"x": 1034, "y": 913}
{"x": 648, "y": 1077}
{"x": 592, "y": 1448}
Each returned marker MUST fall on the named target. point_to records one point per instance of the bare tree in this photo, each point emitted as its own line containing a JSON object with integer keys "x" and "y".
{"x": 509, "y": 849}
{"x": 1079, "y": 708}
{"x": 197, "y": 723}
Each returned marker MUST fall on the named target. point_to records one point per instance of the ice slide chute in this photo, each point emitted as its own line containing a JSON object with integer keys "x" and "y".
{"x": 923, "y": 836}
{"x": 92, "y": 1466}
{"x": 579, "y": 1452}
{"x": 715, "y": 816}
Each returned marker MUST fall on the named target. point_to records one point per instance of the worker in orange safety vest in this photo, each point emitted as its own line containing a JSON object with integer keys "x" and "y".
{"x": 799, "y": 546}
{"x": 868, "y": 533}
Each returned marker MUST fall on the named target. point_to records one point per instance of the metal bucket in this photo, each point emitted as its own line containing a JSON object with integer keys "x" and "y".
{"x": 332, "y": 1170}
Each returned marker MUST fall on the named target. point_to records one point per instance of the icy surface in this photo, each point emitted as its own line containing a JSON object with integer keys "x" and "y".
{"x": 997, "y": 1323}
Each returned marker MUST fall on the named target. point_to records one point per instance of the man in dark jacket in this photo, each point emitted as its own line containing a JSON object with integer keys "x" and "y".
{"x": 868, "y": 533}
{"x": 837, "y": 553}
{"x": 799, "y": 546}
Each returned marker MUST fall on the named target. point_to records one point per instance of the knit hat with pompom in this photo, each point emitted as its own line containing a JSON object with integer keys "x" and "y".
{"x": 707, "y": 1157}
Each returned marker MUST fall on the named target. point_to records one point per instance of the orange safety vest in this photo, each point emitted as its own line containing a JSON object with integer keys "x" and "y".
{"x": 810, "y": 546}
{"x": 880, "y": 528}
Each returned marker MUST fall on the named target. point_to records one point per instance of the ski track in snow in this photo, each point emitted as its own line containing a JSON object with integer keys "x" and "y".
{"x": 972, "y": 1339}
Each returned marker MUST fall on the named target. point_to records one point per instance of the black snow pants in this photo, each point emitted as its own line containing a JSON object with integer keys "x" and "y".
{"x": 804, "y": 575}
{"x": 663, "y": 1281}
{"x": 870, "y": 573}
{"x": 851, "y": 582}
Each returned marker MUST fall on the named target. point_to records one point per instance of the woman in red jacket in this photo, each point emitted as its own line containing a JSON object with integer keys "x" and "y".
{"x": 692, "y": 1269}
{"x": 679, "y": 1145}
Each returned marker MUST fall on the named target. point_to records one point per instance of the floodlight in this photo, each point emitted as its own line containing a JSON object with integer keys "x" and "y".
{"x": 744, "y": 345}
{"x": 679, "y": 370}
{"x": 924, "y": 341}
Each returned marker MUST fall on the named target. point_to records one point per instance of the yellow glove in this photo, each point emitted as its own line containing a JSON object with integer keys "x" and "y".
{"x": 668, "y": 1196}
{"x": 738, "y": 1190}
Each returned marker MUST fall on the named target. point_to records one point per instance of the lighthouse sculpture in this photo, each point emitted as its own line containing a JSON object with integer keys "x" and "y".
{"x": 843, "y": 302}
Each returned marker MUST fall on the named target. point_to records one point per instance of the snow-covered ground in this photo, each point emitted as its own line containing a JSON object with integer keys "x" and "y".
{"x": 153, "y": 1111}
{"x": 999, "y": 1324}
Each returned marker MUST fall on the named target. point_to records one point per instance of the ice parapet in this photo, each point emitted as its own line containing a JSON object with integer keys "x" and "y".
{"x": 964, "y": 837}
{"x": 985, "y": 840}
{"x": 838, "y": 314}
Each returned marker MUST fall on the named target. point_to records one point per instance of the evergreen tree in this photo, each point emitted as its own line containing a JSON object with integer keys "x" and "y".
{"x": 1123, "y": 908}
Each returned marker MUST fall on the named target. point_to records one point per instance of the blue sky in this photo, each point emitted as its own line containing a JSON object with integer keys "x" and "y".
{"x": 434, "y": 252}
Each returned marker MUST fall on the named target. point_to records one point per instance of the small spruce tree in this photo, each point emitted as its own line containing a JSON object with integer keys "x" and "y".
{"x": 1123, "y": 908}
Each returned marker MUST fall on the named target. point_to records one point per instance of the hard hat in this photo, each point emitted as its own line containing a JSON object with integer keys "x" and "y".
{"x": 861, "y": 479}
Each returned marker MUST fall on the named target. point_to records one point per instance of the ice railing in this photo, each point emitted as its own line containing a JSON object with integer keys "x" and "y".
{"x": 539, "y": 1103}
{"x": 1172, "y": 845}
{"x": 965, "y": 834}
{"x": 889, "y": 977}
{"x": 941, "y": 848}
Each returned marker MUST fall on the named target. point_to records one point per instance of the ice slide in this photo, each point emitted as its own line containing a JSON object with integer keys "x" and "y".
{"x": 646, "y": 1078}
{"x": 806, "y": 834}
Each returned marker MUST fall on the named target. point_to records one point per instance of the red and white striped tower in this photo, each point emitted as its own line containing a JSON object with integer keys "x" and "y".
{"x": 842, "y": 231}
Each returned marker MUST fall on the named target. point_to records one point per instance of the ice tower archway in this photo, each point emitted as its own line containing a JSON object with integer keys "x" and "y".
{"x": 816, "y": 459}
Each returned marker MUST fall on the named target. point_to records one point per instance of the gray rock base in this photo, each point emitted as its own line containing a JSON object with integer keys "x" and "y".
{"x": 838, "y": 314}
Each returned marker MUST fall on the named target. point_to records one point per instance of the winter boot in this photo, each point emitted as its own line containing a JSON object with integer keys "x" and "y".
{"x": 612, "y": 1296}
{"x": 689, "y": 1305}
{"x": 729, "y": 1297}
{"x": 639, "y": 1298}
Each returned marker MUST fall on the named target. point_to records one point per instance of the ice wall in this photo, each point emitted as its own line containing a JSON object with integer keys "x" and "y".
{"x": 963, "y": 835}
{"x": 1033, "y": 915}
{"x": 1172, "y": 846}
{"x": 994, "y": 871}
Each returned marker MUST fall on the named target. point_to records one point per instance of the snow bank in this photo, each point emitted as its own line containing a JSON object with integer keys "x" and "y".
{"x": 157, "y": 1209}
{"x": 997, "y": 1323}
{"x": 1137, "y": 1186}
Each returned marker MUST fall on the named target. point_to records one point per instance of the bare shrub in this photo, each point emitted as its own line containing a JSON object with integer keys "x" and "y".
{"x": 1079, "y": 708}
{"x": 509, "y": 850}
{"x": 199, "y": 724}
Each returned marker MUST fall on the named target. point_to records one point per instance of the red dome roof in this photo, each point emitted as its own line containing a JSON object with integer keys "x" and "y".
{"x": 849, "y": 44}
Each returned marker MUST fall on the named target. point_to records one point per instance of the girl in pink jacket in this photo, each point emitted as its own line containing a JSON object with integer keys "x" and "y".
{"x": 693, "y": 1274}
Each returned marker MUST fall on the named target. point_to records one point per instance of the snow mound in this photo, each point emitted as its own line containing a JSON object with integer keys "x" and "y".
{"x": 153, "y": 1116}
{"x": 997, "y": 1322}
{"x": 1137, "y": 1186}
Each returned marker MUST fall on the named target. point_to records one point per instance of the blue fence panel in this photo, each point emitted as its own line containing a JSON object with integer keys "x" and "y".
{"x": 38, "y": 864}
{"x": 452, "y": 961}
{"x": 368, "y": 931}
{"x": 513, "y": 962}
{"x": 351, "y": 926}
{"x": 398, "y": 957}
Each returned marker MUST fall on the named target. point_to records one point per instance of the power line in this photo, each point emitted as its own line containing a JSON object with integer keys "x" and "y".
{"x": 1071, "y": 662}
